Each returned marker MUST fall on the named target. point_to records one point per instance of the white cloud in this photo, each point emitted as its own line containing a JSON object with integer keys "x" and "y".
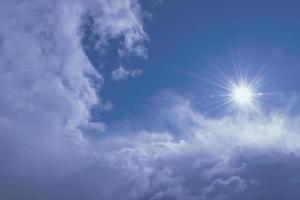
{"x": 47, "y": 86}
{"x": 225, "y": 158}
{"x": 45, "y": 75}
{"x": 116, "y": 18}
{"x": 108, "y": 106}
{"x": 123, "y": 74}
{"x": 219, "y": 186}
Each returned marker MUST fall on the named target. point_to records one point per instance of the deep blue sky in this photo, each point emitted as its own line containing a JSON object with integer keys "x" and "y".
{"x": 204, "y": 37}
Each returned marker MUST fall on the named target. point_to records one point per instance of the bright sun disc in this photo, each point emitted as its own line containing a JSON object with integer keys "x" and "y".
{"x": 242, "y": 95}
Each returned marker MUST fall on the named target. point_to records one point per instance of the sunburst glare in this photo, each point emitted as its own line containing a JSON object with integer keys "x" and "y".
{"x": 239, "y": 92}
{"x": 243, "y": 94}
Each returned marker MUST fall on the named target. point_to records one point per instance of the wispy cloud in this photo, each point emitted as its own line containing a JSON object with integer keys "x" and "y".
{"x": 121, "y": 73}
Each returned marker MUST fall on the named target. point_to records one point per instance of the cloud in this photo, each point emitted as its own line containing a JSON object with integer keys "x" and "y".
{"x": 48, "y": 87}
{"x": 117, "y": 18}
{"x": 123, "y": 74}
{"x": 193, "y": 157}
{"x": 219, "y": 186}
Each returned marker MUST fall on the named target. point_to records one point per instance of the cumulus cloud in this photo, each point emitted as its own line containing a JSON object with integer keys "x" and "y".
{"x": 48, "y": 86}
{"x": 123, "y": 74}
{"x": 194, "y": 157}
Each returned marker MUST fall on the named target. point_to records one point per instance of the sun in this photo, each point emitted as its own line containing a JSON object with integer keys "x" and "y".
{"x": 240, "y": 92}
{"x": 242, "y": 95}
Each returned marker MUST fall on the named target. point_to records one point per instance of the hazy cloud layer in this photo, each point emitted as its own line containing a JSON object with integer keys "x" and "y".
{"x": 48, "y": 86}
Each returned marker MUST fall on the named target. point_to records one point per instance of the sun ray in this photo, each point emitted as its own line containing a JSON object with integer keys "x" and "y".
{"x": 239, "y": 92}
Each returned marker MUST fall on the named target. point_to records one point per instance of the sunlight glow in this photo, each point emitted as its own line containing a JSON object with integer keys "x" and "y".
{"x": 242, "y": 95}
{"x": 240, "y": 92}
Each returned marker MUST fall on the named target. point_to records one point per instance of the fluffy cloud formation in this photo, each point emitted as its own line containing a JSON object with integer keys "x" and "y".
{"x": 123, "y": 74}
{"x": 189, "y": 157}
{"x": 45, "y": 75}
{"x": 192, "y": 157}
{"x": 48, "y": 86}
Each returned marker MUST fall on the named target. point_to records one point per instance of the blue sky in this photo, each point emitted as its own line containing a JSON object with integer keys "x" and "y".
{"x": 205, "y": 39}
{"x": 149, "y": 100}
